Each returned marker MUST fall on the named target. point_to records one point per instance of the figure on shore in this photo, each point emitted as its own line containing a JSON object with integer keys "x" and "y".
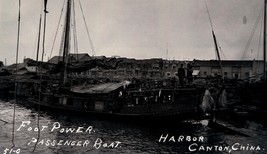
{"x": 189, "y": 73}
{"x": 181, "y": 75}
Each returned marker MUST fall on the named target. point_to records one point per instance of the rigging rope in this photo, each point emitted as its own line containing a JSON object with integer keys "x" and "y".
{"x": 42, "y": 59}
{"x": 15, "y": 94}
{"x": 260, "y": 39}
{"x": 252, "y": 33}
{"x": 35, "y": 45}
{"x": 88, "y": 34}
{"x": 208, "y": 15}
{"x": 222, "y": 52}
{"x": 57, "y": 29}
{"x": 75, "y": 33}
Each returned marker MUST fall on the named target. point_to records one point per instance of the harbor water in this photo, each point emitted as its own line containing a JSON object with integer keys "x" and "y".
{"x": 68, "y": 133}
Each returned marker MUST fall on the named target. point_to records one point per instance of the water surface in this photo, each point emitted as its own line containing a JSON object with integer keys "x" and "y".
{"x": 122, "y": 136}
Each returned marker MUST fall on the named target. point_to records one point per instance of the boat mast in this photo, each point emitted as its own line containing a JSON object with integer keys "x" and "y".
{"x": 38, "y": 44}
{"x": 215, "y": 42}
{"x": 264, "y": 44}
{"x": 16, "y": 86}
{"x": 44, "y": 28}
{"x": 66, "y": 46}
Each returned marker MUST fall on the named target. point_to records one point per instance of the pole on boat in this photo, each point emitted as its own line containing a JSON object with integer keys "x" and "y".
{"x": 45, "y": 12}
{"x": 15, "y": 93}
{"x": 66, "y": 46}
{"x": 38, "y": 44}
{"x": 264, "y": 44}
{"x": 42, "y": 59}
{"x": 221, "y": 68}
{"x": 215, "y": 42}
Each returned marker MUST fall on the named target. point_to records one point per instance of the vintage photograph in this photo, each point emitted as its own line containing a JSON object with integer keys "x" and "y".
{"x": 133, "y": 76}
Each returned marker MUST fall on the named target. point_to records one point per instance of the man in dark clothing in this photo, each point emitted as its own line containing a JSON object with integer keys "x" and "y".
{"x": 1, "y": 64}
{"x": 181, "y": 75}
{"x": 189, "y": 74}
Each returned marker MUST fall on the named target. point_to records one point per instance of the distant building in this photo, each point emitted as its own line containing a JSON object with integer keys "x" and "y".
{"x": 158, "y": 68}
{"x": 29, "y": 66}
{"x": 19, "y": 68}
{"x": 149, "y": 68}
{"x": 128, "y": 68}
{"x": 232, "y": 69}
{"x": 171, "y": 67}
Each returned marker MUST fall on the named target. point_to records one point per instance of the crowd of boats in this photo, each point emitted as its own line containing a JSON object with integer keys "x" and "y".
{"x": 138, "y": 97}
{"x": 134, "y": 98}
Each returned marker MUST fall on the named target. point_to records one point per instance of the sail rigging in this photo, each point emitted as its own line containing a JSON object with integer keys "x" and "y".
{"x": 88, "y": 34}
{"x": 52, "y": 48}
{"x": 262, "y": 38}
{"x": 73, "y": 36}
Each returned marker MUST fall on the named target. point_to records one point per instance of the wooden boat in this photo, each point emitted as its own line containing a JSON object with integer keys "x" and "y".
{"x": 122, "y": 99}
{"x": 117, "y": 99}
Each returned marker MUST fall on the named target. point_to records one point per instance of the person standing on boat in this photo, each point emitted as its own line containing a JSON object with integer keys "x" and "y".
{"x": 189, "y": 73}
{"x": 181, "y": 75}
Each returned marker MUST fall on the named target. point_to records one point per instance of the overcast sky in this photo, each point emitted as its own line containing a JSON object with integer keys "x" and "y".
{"x": 173, "y": 29}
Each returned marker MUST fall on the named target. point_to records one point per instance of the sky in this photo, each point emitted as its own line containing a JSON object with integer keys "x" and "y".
{"x": 141, "y": 29}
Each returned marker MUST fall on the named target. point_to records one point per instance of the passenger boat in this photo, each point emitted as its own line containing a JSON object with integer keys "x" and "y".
{"x": 123, "y": 99}
{"x": 128, "y": 100}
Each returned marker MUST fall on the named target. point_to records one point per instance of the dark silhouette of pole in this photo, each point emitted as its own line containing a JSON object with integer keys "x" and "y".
{"x": 264, "y": 45}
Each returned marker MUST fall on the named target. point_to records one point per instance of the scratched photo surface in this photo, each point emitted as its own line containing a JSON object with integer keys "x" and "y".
{"x": 133, "y": 76}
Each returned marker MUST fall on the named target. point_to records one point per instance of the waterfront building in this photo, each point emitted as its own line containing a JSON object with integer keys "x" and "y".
{"x": 232, "y": 69}
{"x": 127, "y": 68}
